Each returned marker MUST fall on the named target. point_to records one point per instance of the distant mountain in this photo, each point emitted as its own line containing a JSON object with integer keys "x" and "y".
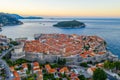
{"x": 21, "y": 17}
{"x": 17, "y": 16}
{"x": 8, "y": 20}
{"x": 33, "y": 17}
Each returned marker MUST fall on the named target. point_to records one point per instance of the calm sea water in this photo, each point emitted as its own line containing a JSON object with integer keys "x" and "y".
{"x": 109, "y": 29}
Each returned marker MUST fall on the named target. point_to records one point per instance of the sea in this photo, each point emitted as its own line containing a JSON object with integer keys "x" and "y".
{"x": 106, "y": 28}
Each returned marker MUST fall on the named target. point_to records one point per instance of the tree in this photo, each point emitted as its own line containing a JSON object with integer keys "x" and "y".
{"x": 110, "y": 65}
{"x": 61, "y": 61}
{"x": 117, "y": 65}
{"x": 84, "y": 64}
{"x": 15, "y": 43}
{"x": 107, "y": 64}
{"x": 29, "y": 67}
{"x": 64, "y": 61}
{"x": 27, "y": 72}
{"x": 54, "y": 65}
{"x": 0, "y": 51}
{"x": 86, "y": 47}
{"x": 99, "y": 74}
{"x": 81, "y": 77}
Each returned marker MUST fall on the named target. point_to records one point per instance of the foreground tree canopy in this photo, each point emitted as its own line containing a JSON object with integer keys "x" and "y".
{"x": 99, "y": 74}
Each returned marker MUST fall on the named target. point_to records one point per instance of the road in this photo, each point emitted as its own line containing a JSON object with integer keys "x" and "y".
{"x": 8, "y": 73}
{"x": 111, "y": 77}
{"x": 2, "y": 62}
{"x": 109, "y": 74}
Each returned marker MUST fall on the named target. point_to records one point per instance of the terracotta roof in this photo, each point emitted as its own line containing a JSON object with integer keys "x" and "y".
{"x": 85, "y": 54}
{"x": 36, "y": 69}
{"x": 47, "y": 66}
{"x": 56, "y": 43}
{"x": 92, "y": 54}
{"x": 64, "y": 69}
{"x": 77, "y": 79}
{"x": 12, "y": 68}
{"x": 93, "y": 69}
{"x": 15, "y": 73}
{"x": 51, "y": 71}
{"x": 100, "y": 65}
{"x": 17, "y": 78}
{"x": 35, "y": 64}
{"x": 100, "y": 53}
{"x": 73, "y": 75}
{"x": 24, "y": 65}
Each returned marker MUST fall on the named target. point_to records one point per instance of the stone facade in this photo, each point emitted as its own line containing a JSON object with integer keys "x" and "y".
{"x": 74, "y": 59}
{"x": 18, "y": 52}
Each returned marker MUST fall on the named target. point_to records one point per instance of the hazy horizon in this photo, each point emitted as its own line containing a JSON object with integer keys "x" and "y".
{"x": 62, "y": 8}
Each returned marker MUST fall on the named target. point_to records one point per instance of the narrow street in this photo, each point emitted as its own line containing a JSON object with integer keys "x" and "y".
{"x": 8, "y": 73}
{"x": 2, "y": 62}
{"x": 111, "y": 77}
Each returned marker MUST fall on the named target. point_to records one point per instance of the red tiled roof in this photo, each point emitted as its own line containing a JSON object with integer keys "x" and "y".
{"x": 55, "y": 44}
{"x": 100, "y": 53}
{"x": 35, "y": 64}
{"x": 51, "y": 71}
{"x": 64, "y": 69}
{"x": 93, "y": 69}
{"x": 100, "y": 65}
{"x": 47, "y": 66}
{"x": 73, "y": 75}
{"x": 36, "y": 69}
{"x": 24, "y": 65}
{"x": 12, "y": 68}
{"x": 15, "y": 73}
{"x": 17, "y": 78}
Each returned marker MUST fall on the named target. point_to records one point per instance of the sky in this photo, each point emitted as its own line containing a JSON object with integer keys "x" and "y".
{"x": 81, "y": 8}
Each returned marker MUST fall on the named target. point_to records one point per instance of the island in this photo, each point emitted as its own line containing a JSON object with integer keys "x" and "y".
{"x": 70, "y": 24}
{"x": 8, "y": 20}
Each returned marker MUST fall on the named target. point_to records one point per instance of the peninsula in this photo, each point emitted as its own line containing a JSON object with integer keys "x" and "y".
{"x": 70, "y": 24}
{"x": 57, "y": 56}
{"x": 8, "y": 20}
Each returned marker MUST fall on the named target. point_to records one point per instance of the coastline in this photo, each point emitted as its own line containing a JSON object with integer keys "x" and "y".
{"x": 93, "y": 28}
{"x": 92, "y": 58}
